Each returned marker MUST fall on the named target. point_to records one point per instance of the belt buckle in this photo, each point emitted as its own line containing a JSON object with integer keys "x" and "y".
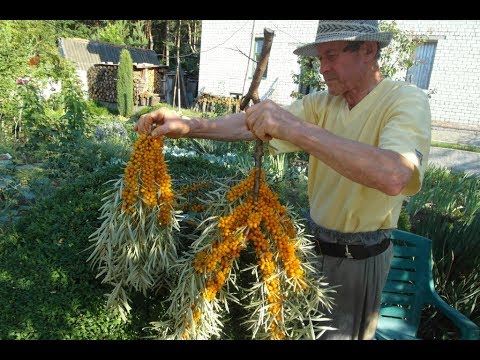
{"x": 347, "y": 253}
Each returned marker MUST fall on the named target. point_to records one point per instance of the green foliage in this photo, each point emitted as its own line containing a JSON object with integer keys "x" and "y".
{"x": 125, "y": 84}
{"x": 46, "y": 289}
{"x": 138, "y": 37}
{"x": 447, "y": 210}
{"x": 445, "y": 145}
{"x": 74, "y": 28}
{"x": 190, "y": 34}
{"x": 96, "y": 109}
{"x": 397, "y": 57}
{"x": 309, "y": 78}
{"x": 122, "y": 32}
{"x": 15, "y": 39}
{"x": 25, "y": 114}
{"x": 68, "y": 159}
{"x": 75, "y": 106}
{"x": 404, "y": 220}
{"x": 114, "y": 32}
{"x": 220, "y": 109}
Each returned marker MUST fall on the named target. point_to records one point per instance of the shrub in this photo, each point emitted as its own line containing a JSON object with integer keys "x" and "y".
{"x": 125, "y": 84}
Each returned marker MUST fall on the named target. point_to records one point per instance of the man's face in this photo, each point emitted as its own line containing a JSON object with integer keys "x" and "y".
{"x": 341, "y": 70}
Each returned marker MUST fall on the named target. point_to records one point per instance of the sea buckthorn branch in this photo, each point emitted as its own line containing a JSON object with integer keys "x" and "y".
{"x": 188, "y": 195}
{"x": 252, "y": 95}
{"x": 300, "y": 315}
{"x": 136, "y": 246}
{"x": 287, "y": 296}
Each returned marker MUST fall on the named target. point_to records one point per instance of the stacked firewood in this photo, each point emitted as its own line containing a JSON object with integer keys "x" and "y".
{"x": 102, "y": 83}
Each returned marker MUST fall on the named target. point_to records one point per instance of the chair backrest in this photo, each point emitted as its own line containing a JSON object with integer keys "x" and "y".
{"x": 406, "y": 289}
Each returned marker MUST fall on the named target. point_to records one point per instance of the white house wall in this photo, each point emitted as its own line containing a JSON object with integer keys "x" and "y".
{"x": 455, "y": 77}
{"x": 223, "y": 61}
{"x": 82, "y": 75}
{"x": 454, "y": 82}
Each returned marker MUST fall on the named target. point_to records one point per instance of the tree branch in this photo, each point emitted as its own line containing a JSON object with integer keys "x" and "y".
{"x": 252, "y": 94}
{"x": 241, "y": 52}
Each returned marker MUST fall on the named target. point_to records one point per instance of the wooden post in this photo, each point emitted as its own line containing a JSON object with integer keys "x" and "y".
{"x": 183, "y": 90}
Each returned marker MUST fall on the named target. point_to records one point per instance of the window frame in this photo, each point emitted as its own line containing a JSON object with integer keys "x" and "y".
{"x": 257, "y": 53}
{"x": 420, "y": 73}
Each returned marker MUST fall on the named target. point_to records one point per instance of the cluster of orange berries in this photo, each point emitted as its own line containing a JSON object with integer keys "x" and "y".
{"x": 193, "y": 187}
{"x": 191, "y": 207}
{"x": 146, "y": 177}
{"x": 264, "y": 219}
{"x": 218, "y": 261}
{"x": 196, "y": 317}
{"x": 191, "y": 190}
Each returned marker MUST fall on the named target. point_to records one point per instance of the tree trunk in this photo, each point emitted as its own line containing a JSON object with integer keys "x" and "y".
{"x": 148, "y": 33}
{"x": 167, "y": 47}
{"x": 195, "y": 35}
{"x": 191, "y": 36}
{"x": 178, "y": 42}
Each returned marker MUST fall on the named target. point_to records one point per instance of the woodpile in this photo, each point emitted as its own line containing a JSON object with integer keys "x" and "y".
{"x": 148, "y": 84}
{"x": 102, "y": 83}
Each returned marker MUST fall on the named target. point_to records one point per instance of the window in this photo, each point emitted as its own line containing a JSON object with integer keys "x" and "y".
{"x": 256, "y": 56}
{"x": 419, "y": 74}
{"x": 309, "y": 80}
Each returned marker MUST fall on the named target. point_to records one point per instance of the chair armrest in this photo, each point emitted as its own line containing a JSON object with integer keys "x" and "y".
{"x": 468, "y": 329}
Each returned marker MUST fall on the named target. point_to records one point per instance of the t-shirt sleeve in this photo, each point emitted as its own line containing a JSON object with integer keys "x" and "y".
{"x": 408, "y": 132}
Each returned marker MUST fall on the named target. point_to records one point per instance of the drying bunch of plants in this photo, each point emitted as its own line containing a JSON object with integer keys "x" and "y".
{"x": 135, "y": 246}
{"x": 283, "y": 294}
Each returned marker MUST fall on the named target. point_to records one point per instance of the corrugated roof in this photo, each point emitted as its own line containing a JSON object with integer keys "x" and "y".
{"x": 86, "y": 53}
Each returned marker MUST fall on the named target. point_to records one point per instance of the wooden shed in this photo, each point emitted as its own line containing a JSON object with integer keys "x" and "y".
{"x": 97, "y": 64}
{"x": 148, "y": 83}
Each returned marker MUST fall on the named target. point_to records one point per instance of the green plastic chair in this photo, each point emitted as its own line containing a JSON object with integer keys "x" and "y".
{"x": 409, "y": 288}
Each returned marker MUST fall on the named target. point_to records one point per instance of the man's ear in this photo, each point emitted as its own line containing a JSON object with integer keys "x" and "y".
{"x": 369, "y": 49}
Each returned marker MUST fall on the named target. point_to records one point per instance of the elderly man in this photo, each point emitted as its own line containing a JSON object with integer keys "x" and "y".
{"x": 368, "y": 138}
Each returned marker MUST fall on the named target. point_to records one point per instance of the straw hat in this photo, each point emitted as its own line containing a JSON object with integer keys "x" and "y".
{"x": 345, "y": 30}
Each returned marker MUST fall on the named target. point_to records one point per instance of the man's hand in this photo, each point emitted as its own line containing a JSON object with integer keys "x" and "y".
{"x": 167, "y": 122}
{"x": 267, "y": 120}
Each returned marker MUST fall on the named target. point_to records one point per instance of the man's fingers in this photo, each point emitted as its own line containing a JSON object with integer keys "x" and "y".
{"x": 250, "y": 118}
{"x": 165, "y": 121}
{"x": 158, "y": 131}
{"x": 144, "y": 124}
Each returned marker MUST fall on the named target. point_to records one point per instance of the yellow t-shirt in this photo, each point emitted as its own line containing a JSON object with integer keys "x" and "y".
{"x": 396, "y": 116}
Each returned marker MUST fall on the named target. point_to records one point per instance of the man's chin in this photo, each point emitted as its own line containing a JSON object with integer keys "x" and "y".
{"x": 332, "y": 91}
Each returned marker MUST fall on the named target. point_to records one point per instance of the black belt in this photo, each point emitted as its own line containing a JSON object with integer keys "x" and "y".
{"x": 357, "y": 252}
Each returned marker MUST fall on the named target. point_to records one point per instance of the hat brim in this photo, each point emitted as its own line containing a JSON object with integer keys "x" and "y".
{"x": 383, "y": 38}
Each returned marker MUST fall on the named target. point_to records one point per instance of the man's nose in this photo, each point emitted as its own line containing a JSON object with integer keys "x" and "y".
{"x": 324, "y": 67}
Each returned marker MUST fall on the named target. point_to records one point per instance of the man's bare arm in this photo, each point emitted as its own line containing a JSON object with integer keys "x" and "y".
{"x": 376, "y": 168}
{"x": 167, "y": 122}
